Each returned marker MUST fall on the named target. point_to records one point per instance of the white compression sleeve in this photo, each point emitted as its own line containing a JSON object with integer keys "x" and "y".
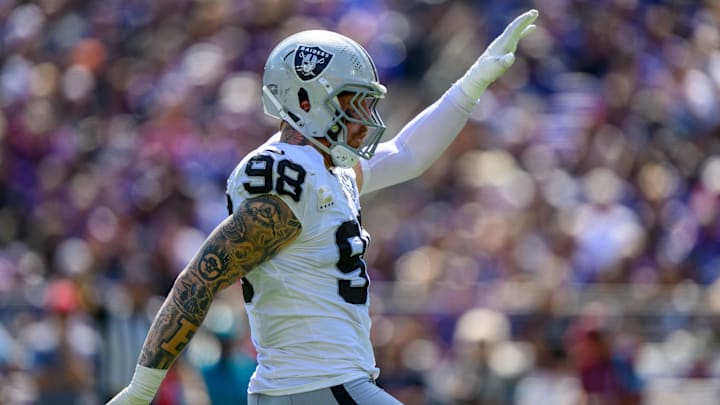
{"x": 419, "y": 143}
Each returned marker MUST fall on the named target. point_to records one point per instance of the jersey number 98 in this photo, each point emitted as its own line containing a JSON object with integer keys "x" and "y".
{"x": 290, "y": 177}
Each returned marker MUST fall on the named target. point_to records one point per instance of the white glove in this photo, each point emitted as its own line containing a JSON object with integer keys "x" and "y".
{"x": 498, "y": 57}
{"x": 142, "y": 388}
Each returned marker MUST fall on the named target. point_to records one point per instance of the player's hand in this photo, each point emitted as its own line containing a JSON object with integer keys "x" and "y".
{"x": 498, "y": 56}
{"x": 125, "y": 397}
{"x": 143, "y": 386}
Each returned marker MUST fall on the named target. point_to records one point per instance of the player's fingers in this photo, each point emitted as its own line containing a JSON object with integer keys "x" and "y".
{"x": 514, "y": 31}
{"x": 507, "y": 59}
{"x": 527, "y": 31}
{"x": 521, "y": 22}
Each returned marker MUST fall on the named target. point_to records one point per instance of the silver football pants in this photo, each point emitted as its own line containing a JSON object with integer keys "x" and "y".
{"x": 357, "y": 392}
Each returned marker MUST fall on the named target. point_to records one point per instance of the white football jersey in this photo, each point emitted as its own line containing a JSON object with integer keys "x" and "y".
{"x": 308, "y": 305}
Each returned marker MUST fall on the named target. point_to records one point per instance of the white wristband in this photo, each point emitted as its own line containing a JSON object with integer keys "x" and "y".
{"x": 146, "y": 382}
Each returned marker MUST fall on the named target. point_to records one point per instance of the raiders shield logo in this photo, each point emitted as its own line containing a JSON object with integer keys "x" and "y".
{"x": 310, "y": 61}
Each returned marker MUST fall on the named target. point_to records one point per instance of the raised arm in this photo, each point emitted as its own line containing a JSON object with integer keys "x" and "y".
{"x": 257, "y": 230}
{"x": 424, "y": 138}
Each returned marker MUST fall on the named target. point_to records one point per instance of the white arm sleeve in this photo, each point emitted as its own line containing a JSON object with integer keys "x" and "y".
{"x": 419, "y": 143}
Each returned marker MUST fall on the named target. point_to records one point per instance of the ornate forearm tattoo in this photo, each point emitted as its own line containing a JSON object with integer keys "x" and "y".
{"x": 253, "y": 234}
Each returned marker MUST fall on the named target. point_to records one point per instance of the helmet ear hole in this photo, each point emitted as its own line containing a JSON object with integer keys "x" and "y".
{"x": 304, "y": 99}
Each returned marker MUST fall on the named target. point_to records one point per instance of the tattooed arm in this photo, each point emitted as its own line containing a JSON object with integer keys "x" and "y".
{"x": 253, "y": 234}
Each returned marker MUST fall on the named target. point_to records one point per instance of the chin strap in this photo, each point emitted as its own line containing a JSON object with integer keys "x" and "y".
{"x": 281, "y": 110}
{"x": 341, "y": 155}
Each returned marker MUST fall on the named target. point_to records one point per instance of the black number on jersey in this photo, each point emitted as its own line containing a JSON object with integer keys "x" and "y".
{"x": 352, "y": 245}
{"x": 248, "y": 290}
{"x": 291, "y": 177}
{"x": 259, "y": 166}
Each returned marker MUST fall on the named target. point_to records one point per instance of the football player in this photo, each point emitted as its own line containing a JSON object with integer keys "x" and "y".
{"x": 294, "y": 234}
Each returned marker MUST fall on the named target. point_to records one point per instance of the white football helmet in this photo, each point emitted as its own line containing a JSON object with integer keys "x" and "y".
{"x": 317, "y": 66}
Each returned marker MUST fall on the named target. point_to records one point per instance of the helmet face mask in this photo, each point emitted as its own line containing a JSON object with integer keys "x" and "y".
{"x": 321, "y": 67}
{"x": 361, "y": 109}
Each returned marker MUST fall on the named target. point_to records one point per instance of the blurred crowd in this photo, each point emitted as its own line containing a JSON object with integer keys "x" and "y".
{"x": 564, "y": 250}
